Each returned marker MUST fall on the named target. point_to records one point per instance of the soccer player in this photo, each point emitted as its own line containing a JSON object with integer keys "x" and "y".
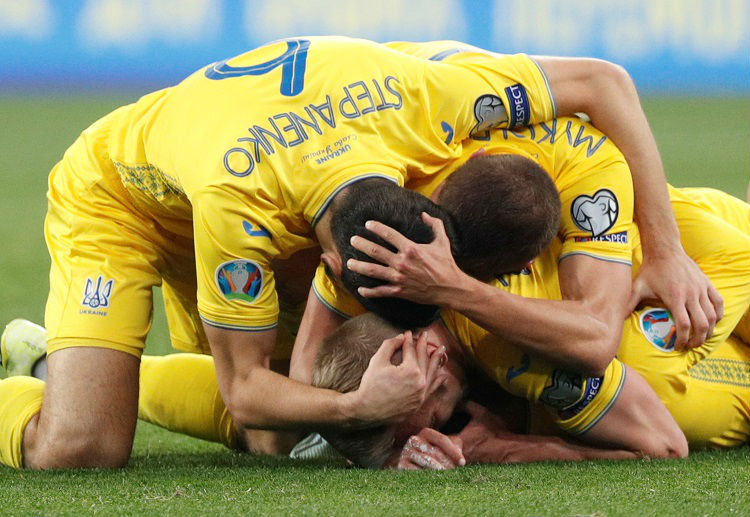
{"x": 622, "y": 423}
{"x": 234, "y": 167}
{"x": 705, "y": 389}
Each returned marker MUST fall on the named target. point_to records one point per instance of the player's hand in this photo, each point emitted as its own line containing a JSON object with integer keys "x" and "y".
{"x": 684, "y": 289}
{"x": 422, "y": 273}
{"x": 390, "y": 389}
{"x": 429, "y": 450}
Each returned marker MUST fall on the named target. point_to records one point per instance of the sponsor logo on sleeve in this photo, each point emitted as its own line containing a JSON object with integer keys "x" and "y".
{"x": 618, "y": 237}
{"x": 240, "y": 280}
{"x": 520, "y": 110}
{"x": 489, "y": 112}
{"x": 595, "y": 214}
{"x": 658, "y": 327}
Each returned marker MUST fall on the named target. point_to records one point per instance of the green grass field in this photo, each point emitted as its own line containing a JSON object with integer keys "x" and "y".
{"x": 704, "y": 142}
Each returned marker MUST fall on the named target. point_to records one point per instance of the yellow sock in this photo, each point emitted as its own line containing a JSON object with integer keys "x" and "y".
{"x": 20, "y": 399}
{"x": 179, "y": 392}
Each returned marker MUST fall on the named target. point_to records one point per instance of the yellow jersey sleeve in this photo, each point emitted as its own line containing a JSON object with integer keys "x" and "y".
{"x": 596, "y": 194}
{"x": 516, "y": 91}
{"x": 334, "y": 297}
{"x": 236, "y": 287}
{"x": 575, "y": 403}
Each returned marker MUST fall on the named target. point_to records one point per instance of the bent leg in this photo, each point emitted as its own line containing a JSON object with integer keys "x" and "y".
{"x": 88, "y": 413}
{"x": 715, "y": 408}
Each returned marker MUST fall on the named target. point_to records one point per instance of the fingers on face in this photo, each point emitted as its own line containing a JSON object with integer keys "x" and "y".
{"x": 389, "y": 348}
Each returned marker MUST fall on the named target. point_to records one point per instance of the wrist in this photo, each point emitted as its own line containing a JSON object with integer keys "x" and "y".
{"x": 459, "y": 293}
{"x": 347, "y": 405}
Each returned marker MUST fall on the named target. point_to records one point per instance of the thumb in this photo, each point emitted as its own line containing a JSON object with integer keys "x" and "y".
{"x": 387, "y": 349}
{"x": 637, "y": 293}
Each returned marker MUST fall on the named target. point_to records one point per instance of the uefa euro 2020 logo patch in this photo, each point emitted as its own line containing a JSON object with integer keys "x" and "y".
{"x": 658, "y": 327}
{"x": 240, "y": 280}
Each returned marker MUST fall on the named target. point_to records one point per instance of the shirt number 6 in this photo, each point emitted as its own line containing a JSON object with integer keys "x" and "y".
{"x": 292, "y": 63}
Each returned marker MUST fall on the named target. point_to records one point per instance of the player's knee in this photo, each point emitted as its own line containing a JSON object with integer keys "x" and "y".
{"x": 67, "y": 450}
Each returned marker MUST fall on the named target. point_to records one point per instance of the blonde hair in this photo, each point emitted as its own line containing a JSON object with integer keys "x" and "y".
{"x": 342, "y": 360}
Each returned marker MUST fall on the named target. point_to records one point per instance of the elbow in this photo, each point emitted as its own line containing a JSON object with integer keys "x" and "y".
{"x": 674, "y": 450}
{"x": 598, "y": 355}
{"x": 240, "y": 406}
{"x": 669, "y": 445}
{"x": 610, "y": 75}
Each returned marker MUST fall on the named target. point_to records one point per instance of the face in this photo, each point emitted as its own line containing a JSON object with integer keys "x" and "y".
{"x": 439, "y": 404}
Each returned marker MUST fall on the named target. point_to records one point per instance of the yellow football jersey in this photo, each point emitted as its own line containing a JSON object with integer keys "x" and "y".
{"x": 595, "y": 188}
{"x": 647, "y": 345}
{"x": 252, "y": 149}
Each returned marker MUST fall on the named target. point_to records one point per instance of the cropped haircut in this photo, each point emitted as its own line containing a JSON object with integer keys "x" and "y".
{"x": 342, "y": 360}
{"x": 506, "y": 209}
{"x": 382, "y": 200}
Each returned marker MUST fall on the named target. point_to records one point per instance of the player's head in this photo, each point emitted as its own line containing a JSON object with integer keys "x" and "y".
{"x": 506, "y": 210}
{"x": 341, "y": 362}
{"x": 401, "y": 209}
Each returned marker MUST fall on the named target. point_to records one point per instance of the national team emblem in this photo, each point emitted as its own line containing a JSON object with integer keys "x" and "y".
{"x": 96, "y": 295}
{"x": 597, "y": 213}
{"x": 239, "y": 280}
{"x": 489, "y": 112}
{"x": 658, "y": 327}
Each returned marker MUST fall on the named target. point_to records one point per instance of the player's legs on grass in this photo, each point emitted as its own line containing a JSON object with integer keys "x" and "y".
{"x": 105, "y": 262}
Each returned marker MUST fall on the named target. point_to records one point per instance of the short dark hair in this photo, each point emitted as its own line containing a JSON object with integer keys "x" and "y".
{"x": 341, "y": 361}
{"x": 382, "y": 200}
{"x": 506, "y": 209}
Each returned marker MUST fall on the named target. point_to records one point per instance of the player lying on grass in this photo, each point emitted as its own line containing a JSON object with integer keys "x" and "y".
{"x": 200, "y": 187}
{"x": 706, "y": 389}
{"x": 711, "y": 405}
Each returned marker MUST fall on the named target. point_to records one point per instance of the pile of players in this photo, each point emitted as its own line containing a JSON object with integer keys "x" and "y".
{"x": 446, "y": 189}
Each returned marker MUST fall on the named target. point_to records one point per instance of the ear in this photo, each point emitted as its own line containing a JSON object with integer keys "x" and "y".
{"x": 333, "y": 261}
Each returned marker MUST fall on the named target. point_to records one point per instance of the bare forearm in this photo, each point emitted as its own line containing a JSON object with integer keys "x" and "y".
{"x": 266, "y": 400}
{"x": 525, "y": 449}
{"x": 562, "y": 331}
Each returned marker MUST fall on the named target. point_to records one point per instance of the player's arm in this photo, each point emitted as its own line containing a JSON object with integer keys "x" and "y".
{"x": 260, "y": 398}
{"x": 638, "y": 421}
{"x": 486, "y": 439}
{"x": 317, "y": 323}
{"x": 566, "y": 332}
{"x": 606, "y": 93}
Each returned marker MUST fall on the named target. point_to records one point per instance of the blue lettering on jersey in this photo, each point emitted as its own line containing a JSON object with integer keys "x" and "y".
{"x": 520, "y": 109}
{"x": 292, "y": 63}
{"x": 515, "y": 372}
{"x": 588, "y": 140}
{"x": 449, "y": 130}
{"x": 260, "y": 232}
{"x": 549, "y": 132}
{"x": 287, "y": 129}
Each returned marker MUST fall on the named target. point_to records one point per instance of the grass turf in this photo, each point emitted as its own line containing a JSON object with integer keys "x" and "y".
{"x": 703, "y": 142}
